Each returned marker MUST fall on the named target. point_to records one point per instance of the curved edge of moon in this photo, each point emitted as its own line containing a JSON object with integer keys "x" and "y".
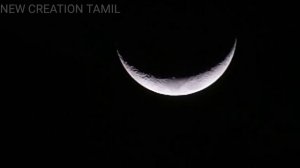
{"x": 179, "y": 86}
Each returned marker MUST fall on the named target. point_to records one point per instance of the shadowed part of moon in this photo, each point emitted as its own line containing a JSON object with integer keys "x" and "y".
{"x": 179, "y": 86}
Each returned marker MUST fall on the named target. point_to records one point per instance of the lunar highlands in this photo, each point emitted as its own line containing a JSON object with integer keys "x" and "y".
{"x": 179, "y": 86}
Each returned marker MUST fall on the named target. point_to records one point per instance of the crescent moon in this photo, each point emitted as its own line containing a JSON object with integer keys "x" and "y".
{"x": 179, "y": 86}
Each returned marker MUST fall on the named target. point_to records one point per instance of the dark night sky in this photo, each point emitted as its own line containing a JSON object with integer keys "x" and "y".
{"x": 82, "y": 105}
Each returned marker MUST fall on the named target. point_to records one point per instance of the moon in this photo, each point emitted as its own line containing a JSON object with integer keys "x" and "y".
{"x": 179, "y": 86}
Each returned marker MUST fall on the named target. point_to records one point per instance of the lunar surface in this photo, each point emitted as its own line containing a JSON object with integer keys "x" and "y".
{"x": 179, "y": 86}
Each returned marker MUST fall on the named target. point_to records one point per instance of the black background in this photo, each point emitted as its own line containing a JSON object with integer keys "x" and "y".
{"x": 66, "y": 77}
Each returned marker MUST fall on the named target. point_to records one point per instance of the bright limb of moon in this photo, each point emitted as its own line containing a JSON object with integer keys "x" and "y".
{"x": 179, "y": 86}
